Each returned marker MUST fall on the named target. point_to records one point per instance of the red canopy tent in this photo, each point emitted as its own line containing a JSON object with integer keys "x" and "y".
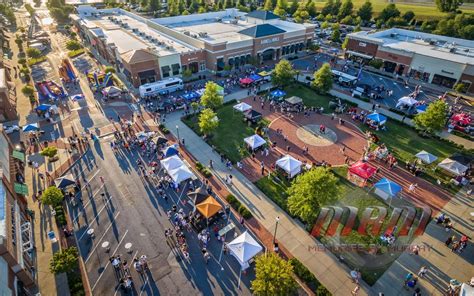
{"x": 360, "y": 172}
{"x": 462, "y": 118}
{"x": 246, "y": 81}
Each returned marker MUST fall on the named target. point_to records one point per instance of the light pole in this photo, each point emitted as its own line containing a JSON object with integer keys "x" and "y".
{"x": 177, "y": 132}
{"x": 277, "y": 219}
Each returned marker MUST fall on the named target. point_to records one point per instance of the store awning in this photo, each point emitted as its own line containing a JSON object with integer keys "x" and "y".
{"x": 358, "y": 54}
{"x": 18, "y": 155}
{"x": 20, "y": 188}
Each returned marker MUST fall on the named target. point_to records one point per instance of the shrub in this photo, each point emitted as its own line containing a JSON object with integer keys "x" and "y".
{"x": 203, "y": 170}
{"x": 73, "y": 45}
{"x": 22, "y": 61}
{"x": 33, "y": 53}
{"x": 49, "y": 151}
{"x": 164, "y": 129}
{"x": 75, "y": 53}
{"x": 308, "y": 278}
{"x": 27, "y": 90}
{"x": 52, "y": 196}
{"x": 60, "y": 216}
{"x": 376, "y": 63}
{"x": 64, "y": 261}
{"x": 460, "y": 87}
{"x": 237, "y": 205}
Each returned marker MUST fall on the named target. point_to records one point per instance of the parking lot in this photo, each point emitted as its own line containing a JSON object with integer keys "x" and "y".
{"x": 124, "y": 215}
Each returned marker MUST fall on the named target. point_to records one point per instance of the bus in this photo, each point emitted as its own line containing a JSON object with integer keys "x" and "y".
{"x": 162, "y": 87}
{"x": 344, "y": 78}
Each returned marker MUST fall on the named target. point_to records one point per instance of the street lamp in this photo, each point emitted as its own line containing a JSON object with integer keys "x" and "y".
{"x": 177, "y": 132}
{"x": 277, "y": 219}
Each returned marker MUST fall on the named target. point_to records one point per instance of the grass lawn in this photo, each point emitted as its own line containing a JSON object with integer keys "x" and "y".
{"x": 32, "y": 61}
{"x": 355, "y": 196}
{"x": 75, "y": 53}
{"x": 309, "y": 96}
{"x": 423, "y": 10}
{"x": 228, "y": 138}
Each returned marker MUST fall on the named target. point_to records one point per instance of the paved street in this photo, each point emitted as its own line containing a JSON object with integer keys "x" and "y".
{"x": 130, "y": 211}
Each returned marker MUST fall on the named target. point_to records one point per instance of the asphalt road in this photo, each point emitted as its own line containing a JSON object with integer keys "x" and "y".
{"x": 131, "y": 212}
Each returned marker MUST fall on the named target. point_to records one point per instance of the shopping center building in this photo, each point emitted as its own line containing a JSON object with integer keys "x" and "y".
{"x": 146, "y": 50}
{"x": 426, "y": 57}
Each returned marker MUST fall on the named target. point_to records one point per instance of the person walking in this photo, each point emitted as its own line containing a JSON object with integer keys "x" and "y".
{"x": 422, "y": 272}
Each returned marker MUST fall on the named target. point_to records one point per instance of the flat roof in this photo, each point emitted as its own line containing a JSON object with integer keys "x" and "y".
{"x": 134, "y": 35}
{"x": 447, "y": 48}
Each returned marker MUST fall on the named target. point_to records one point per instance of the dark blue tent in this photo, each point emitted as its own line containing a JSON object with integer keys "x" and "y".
{"x": 277, "y": 93}
{"x": 43, "y": 107}
{"x": 191, "y": 96}
{"x": 65, "y": 181}
{"x": 255, "y": 77}
{"x": 170, "y": 151}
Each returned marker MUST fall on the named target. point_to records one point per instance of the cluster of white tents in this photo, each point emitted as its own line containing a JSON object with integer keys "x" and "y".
{"x": 255, "y": 142}
{"x": 290, "y": 165}
{"x": 176, "y": 169}
{"x": 452, "y": 166}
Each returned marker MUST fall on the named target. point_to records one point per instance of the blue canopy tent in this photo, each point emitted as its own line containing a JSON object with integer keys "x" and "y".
{"x": 277, "y": 93}
{"x": 43, "y": 107}
{"x": 387, "y": 189}
{"x": 421, "y": 108}
{"x": 65, "y": 181}
{"x": 170, "y": 151}
{"x": 255, "y": 77}
{"x": 376, "y": 120}
{"x": 191, "y": 96}
{"x": 32, "y": 127}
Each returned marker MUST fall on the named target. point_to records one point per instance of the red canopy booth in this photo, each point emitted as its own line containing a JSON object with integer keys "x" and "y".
{"x": 360, "y": 172}
{"x": 246, "y": 82}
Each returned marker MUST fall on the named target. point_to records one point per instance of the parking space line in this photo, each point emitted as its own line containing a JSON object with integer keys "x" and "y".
{"x": 96, "y": 216}
{"x": 102, "y": 237}
{"x": 108, "y": 262}
{"x": 94, "y": 194}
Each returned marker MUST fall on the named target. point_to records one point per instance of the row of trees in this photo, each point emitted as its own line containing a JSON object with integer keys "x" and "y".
{"x": 59, "y": 10}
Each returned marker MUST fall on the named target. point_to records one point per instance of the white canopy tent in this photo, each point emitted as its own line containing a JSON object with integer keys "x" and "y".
{"x": 242, "y": 107}
{"x": 243, "y": 248}
{"x": 453, "y": 166}
{"x": 180, "y": 174}
{"x": 406, "y": 101}
{"x": 255, "y": 141}
{"x": 171, "y": 163}
{"x": 290, "y": 165}
{"x": 426, "y": 157}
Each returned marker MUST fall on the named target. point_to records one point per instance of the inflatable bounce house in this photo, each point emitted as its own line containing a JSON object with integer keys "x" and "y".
{"x": 66, "y": 71}
{"x": 99, "y": 80}
{"x": 49, "y": 90}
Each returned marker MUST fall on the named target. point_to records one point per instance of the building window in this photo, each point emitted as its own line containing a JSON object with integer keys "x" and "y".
{"x": 184, "y": 67}
{"x": 231, "y": 62}
{"x": 166, "y": 71}
{"x": 243, "y": 61}
{"x": 202, "y": 66}
{"x": 220, "y": 64}
{"x": 175, "y": 68}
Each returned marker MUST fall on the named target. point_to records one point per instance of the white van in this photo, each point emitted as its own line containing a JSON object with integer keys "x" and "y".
{"x": 39, "y": 46}
{"x": 162, "y": 87}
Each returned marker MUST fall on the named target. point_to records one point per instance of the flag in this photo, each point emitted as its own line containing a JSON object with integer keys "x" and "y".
{"x": 359, "y": 75}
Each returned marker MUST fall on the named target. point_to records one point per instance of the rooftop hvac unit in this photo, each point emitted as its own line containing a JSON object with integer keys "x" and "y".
{"x": 134, "y": 30}
{"x": 218, "y": 19}
{"x": 160, "y": 43}
{"x": 169, "y": 47}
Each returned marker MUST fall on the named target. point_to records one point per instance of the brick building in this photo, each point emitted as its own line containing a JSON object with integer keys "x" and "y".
{"x": 430, "y": 58}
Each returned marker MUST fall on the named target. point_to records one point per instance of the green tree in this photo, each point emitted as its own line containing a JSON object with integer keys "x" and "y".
{"x": 194, "y": 6}
{"x": 144, "y": 4}
{"x": 64, "y": 261}
{"x": 19, "y": 42}
{"x": 33, "y": 53}
{"x": 325, "y": 25}
{"x": 208, "y": 121}
{"x": 268, "y": 6}
{"x": 301, "y": 13}
{"x": 448, "y": 5}
{"x": 220, "y": 5}
{"x": 327, "y": 8}
{"x": 336, "y": 33}
{"x": 154, "y": 5}
{"x": 273, "y": 276}
{"x": 49, "y": 151}
{"x": 322, "y": 82}
{"x": 73, "y": 45}
{"x": 348, "y": 20}
{"x": 336, "y": 7}
{"x": 293, "y": 7}
{"x": 211, "y": 97}
{"x": 311, "y": 190}
{"x": 390, "y": 11}
{"x": 27, "y": 90}
{"x": 283, "y": 73}
{"x": 467, "y": 32}
{"x": 357, "y": 28}
{"x": 280, "y": 8}
{"x": 408, "y": 16}
{"x": 195, "y": 107}
{"x": 52, "y": 196}
{"x": 434, "y": 118}
{"x": 365, "y": 11}
{"x": 460, "y": 87}
{"x": 345, "y": 42}
{"x": 346, "y": 9}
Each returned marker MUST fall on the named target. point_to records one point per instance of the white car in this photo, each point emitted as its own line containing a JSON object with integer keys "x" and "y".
{"x": 11, "y": 129}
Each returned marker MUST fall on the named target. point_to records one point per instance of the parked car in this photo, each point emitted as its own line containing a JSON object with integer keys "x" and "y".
{"x": 10, "y": 129}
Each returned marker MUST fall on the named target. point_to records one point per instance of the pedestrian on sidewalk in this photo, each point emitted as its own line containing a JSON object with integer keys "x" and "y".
{"x": 356, "y": 289}
{"x": 449, "y": 241}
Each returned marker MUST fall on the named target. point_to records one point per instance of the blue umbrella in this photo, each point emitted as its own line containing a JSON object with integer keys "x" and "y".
{"x": 190, "y": 96}
{"x": 255, "y": 77}
{"x": 43, "y": 107}
{"x": 389, "y": 187}
{"x": 278, "y": 93}
{"x": 377, "y": 117}
{"x": 30, "y": 127}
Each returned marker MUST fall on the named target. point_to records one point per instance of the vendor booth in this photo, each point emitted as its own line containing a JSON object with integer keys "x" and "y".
{"x": 453, "y": 167}
{"x": 65, "y": 181}
{"x": 245, "y": 82}
{"x": 191, "y": 96}
{"x": 254, "y": 142}
{"x": 256, "y": 78}
{"x": 111, "y": 91}
{"x": 426, "y": 157}
{"x": 32, "y": 127}
{"x": 244, "y": 248}
{"x": 387, "y": 189}
{"x": 209, "y": 207}
{"x": 277, "y": 94}
{"x": 252, "y": 116}
{"x": 198, "y": 196}
{"x": 242, "y": 107}
{"x": 171, "y": 163}
{"x": 461, "y": 122}
{"x": 376, "y": 120}
{"x": 421, "y": 108}
{"x": 294, "y": 100}
{"x": 170, "y": 151}
{"x": 290, "y": 165}
{"x": 161, "y": 141}
{"x": 360, "y": 172}
{"x": 180, "y": 174}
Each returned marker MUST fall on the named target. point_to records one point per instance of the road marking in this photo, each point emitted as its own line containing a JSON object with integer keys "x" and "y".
{"x": 98, "y": 242}
{"x": 95, "y": 218}
{"x": 92, "y": 197}
{"x": 108, "y": 262}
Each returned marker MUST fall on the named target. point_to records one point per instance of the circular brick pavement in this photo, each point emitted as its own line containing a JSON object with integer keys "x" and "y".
{"x": 303, "y": 131}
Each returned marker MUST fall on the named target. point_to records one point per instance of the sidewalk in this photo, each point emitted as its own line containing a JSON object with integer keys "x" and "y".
{"x": 325, "y": 266}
